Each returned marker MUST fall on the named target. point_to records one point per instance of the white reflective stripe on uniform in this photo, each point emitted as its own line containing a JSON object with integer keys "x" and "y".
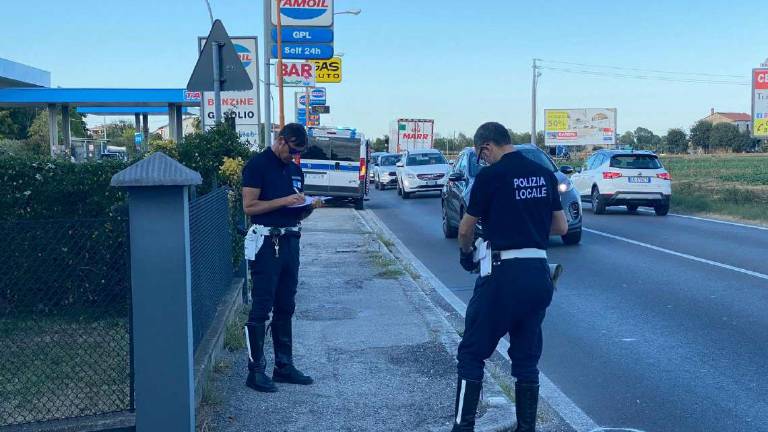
{"x": 248, "y": 343}
{"x": 523, "y": 253}
{"x": 461, "y": 401}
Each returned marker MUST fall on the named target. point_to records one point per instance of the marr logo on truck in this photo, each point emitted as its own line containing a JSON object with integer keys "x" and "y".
{"x": 313, "y": 13}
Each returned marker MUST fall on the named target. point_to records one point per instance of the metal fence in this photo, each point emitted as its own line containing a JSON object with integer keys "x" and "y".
{"x": 211, "y": 249}
{"x": 65, "y": 338}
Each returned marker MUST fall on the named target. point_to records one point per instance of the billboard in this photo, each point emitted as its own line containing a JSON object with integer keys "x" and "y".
{"x": 243, "y": 105}
{"x": 328, "y": 71}
{"x": 298, "y": 74}
{"x": 584, "y": 126}
{"x": 760, "y": 103}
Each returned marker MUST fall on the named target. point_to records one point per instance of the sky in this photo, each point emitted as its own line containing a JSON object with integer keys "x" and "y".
{"x": 459, "y": 62}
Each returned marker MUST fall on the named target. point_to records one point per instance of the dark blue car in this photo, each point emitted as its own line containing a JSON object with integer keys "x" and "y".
{"x": 455, "y": 194}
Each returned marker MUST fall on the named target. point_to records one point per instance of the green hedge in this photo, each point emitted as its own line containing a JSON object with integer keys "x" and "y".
{"x": 44, "y": 188}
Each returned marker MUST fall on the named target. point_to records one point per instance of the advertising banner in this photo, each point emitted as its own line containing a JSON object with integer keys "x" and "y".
{"x": 585, "y": 126}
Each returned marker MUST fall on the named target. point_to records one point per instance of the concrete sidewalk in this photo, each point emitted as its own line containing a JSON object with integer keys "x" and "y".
{"x": 382, "y": 356}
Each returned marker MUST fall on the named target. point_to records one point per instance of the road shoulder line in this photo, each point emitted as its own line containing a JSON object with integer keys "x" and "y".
{"x": 549, "y": 391}
{"x": 678, "y": 254}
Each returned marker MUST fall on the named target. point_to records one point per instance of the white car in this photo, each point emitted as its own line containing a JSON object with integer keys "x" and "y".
{"x": 423, "y": 170}
{"x": 624, "y": 178}
{"x": 385, "y": 170}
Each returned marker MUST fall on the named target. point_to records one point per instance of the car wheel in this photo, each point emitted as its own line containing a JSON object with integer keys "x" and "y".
{"x": 449, "y": 230}
{"x": 661, "y": 209}
{"x": 377, "y": 185}
{"x": 598, "y": 205}
{"x": 399, "y": 190}
{"x": 359, "y": 204}
{"x": 572, "y": 237}
{"x": 406, "y": 195}
{"x": 632, "y": 208}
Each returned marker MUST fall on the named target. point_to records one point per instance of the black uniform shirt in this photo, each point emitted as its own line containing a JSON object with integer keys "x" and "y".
{"x": 275, "y": 179}
{"x": 515, "y": 198}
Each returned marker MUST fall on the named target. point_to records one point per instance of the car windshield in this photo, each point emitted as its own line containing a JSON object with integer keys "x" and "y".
{"x": 635, "y": 162}
{"x": 389, "y": 160}
{"x": 537, "y": 155}
{"x": 425, "y": 159}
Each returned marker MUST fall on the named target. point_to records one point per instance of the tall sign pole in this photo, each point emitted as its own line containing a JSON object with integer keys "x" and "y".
{"x": 533, "y": 102}
{"x": 279, "y": 73}
{"x": 216, "y": 83}
{"x": 267, "y": 73}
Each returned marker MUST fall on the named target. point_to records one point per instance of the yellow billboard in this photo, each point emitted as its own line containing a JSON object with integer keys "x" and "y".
{"x": 328, "y": 71}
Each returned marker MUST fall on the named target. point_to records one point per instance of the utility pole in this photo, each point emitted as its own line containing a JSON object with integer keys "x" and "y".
{"x": 267, "y": 73}
{"x": 534, "y": 83}
{"x": 279, "y": 70}
{"x": 216, "y": 82}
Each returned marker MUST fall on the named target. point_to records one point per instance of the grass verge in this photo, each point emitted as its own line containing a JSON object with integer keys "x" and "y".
{"x": 234, "y": 337}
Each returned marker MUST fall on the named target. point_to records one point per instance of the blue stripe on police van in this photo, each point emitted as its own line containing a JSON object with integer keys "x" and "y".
{"x": 329, "y": 167}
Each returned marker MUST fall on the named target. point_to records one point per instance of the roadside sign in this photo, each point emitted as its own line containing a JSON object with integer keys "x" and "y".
{"x": 304, "y": 34}
{"x": 320, "y": 109}
{"x": 232, "y": 73}
{"x": 584, "y": 126}
{"x": 304, "y": 51}
{"x": 138, "y": 137}
{"x": 242, "y": 104}
{"x": 309, "y": 13}
{"x": 298, "y": 74}
{"x": 316, "y": 97}
{"x": 328, "y": 71}
{"x": 760, "y": 103}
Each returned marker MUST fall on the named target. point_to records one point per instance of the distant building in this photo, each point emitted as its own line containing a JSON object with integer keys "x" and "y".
{"x": 188, "y": 127}
{"x": 742, "y": 120}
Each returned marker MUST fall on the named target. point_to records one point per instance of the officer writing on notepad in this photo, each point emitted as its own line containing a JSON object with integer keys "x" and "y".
{"x": 273, "y": 197}
{"x": 518, "y": 203}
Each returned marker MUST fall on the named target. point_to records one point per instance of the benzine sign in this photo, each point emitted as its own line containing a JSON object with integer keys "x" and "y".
{"x": 310, "y": 13}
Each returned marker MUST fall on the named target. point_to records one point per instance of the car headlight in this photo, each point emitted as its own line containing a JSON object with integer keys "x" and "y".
{"x": 410, "y": 176}
{"x": 565, "y": 186}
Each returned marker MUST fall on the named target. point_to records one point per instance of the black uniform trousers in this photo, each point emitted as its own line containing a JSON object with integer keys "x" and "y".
{"x": 512, "y": 300}
{"x": 274, "y": 279}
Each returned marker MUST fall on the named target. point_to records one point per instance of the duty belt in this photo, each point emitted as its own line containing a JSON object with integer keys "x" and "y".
{"x": 276, "y": 232}
{"x": 254, "y": 239}
{"x": 518, "y": 253}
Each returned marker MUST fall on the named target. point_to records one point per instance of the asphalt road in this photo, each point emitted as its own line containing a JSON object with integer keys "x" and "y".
{"x": 659, "y": 323}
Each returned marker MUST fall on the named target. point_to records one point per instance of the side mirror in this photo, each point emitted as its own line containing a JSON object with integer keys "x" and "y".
{"x": 451, "y": 162}
{"x": 400, "y": 164}
{"x": 456, "y": 177}
{"x": 567, "y": 169}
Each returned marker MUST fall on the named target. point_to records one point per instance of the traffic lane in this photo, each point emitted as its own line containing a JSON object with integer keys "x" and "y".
{"x": 637, "y": 339}
{"x": 737, "y": 246}
{"x": 592, "y": 364}
{"x": 417, "y": 223}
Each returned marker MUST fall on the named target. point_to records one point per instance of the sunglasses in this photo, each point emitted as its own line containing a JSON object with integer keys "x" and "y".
{"x": 293, "y": 150}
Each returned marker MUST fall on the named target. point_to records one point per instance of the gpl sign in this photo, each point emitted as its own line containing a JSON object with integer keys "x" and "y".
{"x": 307, "y": 13}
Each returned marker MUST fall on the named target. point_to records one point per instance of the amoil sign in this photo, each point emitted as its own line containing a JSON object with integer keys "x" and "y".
{"x": 760, "y": 103}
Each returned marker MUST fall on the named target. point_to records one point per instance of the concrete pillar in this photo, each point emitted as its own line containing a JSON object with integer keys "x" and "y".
{"x": 65, "y": 129}
{"x": 179, "y": 123}
{"x": 158, "y": 208}
{"x": 53, "y": 129}
{"x": 145, "y": 125}
{"x": 172, "y": 122}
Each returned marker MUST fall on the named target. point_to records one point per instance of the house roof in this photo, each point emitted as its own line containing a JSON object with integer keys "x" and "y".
{"x": 736, "y": 116}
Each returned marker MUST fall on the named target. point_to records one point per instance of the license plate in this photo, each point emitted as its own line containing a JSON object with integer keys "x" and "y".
{"x": 431, "y": 183}
{"x": 313, "y": 178}
{"x": 639, "y": 179}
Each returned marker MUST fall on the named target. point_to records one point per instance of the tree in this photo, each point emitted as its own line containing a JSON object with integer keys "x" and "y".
{"x": 646, "y": 139}
{"x": 700, "y": 134}
{"x": 726, "y": 136}
{"x": 15, "y": 122}
{"x": 380, "y": 144}
{"x": 676, "y": 141}
{"x": 628, "y": 139}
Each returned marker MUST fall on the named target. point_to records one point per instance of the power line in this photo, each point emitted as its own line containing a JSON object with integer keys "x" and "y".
{"x": 644, "y": 77}
{"x": 643, "y": 70}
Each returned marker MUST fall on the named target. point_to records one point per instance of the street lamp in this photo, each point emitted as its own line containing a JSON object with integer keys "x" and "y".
{"x": 210, "y": 13}
{"x": 349, "y": 12}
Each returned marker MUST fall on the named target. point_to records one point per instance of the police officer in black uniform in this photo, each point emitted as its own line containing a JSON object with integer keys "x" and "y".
{"x": 518, "y": 202}
{"x": 272, "y": 183}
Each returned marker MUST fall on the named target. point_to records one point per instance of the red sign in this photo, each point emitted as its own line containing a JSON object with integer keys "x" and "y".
{"x": 567, "y": 135}
{"x": 760, "y": 79}
{"x": 298, "y": 70}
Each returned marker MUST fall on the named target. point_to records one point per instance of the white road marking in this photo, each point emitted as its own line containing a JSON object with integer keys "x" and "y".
{"x": 703, "y": 219}
{"x": 561, "y": 403}
{"x": 680, "y": 254}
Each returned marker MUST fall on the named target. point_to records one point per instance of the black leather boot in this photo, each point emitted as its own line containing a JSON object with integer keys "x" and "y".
{"x": 526, "y": 405}
{"x": 285, "y": 371}
{"x": 257, "y": 364}
{"x": 467, "y": 398}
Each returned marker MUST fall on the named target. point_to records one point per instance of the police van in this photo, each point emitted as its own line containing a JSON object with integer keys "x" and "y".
{"x": 334, "y": 164}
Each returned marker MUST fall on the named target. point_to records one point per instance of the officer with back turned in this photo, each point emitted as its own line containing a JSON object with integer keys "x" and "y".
{"x": 518, "y": 202}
